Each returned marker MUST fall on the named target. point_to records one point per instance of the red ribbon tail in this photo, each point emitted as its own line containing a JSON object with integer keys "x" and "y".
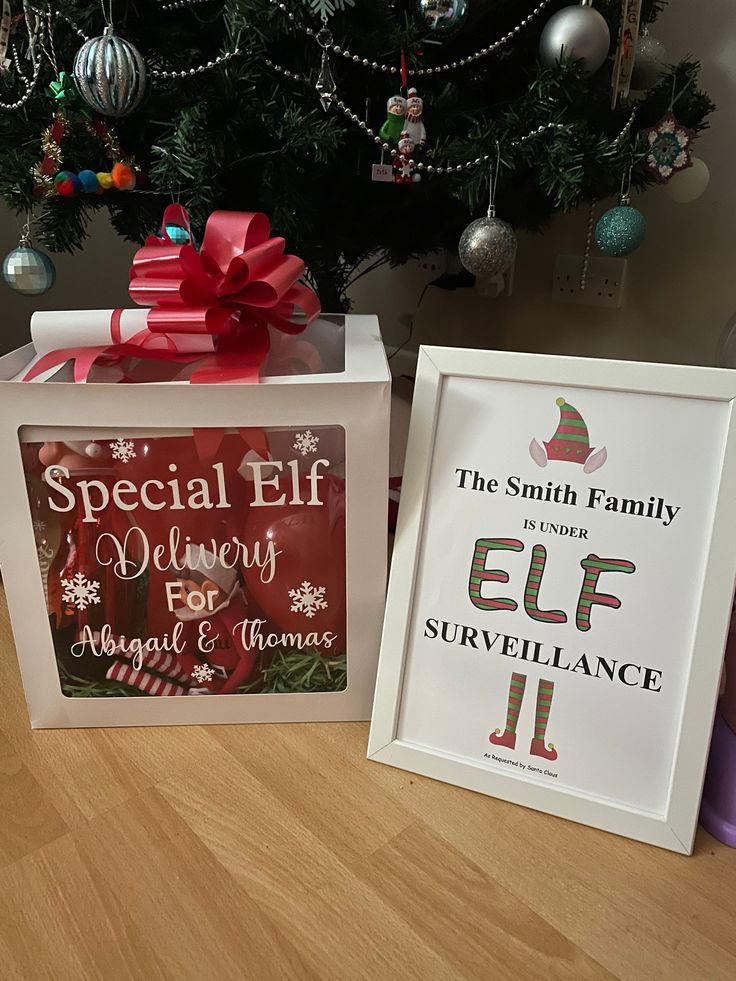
{"x": 256, "y": 440}
{"x": 83, "y": 359}
{"x": 404, "y": 70}
{"x": 207, "y": 441}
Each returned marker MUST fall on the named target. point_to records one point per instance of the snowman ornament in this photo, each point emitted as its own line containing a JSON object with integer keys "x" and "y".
{"x": 413, "y": 123}
{"x": 570, "y": 443}
{"x": 392, "y": 129}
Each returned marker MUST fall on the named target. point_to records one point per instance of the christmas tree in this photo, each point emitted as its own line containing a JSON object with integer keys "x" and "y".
{"x": 277, "y": 105}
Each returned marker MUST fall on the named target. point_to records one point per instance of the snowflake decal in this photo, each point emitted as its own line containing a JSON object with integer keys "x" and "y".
{"x": 39, "y": 526}
{"x": 306, "y": 442}
{"x": 203, "y": 672}
{"x": 308, "y": 599}
{"x": 123, "y": 450}
{"x": 80, "y": 591}
{"x": 669, "y": 148}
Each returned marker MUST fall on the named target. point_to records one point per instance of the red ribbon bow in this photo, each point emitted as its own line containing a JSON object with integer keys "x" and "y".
{"x": 230, "y": 292}
{"x": 238, "y": 284}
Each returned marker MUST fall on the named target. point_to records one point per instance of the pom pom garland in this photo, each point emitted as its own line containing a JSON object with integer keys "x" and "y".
{"x": 69, "y": 185}
{"x": 123, "y": 177}
{"x": 89, "y": 182}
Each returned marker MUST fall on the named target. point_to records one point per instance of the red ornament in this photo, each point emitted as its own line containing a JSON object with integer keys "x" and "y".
{"x": 307, "y": 594}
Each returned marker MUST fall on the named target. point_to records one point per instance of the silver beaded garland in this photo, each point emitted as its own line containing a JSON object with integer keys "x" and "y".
{"x": 578, "y": 33}
{"x": 110, "y": 75}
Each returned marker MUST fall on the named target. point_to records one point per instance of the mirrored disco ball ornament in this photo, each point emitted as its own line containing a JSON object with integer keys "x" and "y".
{"x": 443, "y": 17}
{"x": 110, "y": 75}
{"x": 177, "y": 234}
{"x": 487, "y": 246}
{"x": 577, "y": 33}
{"x": 28, "y": 271}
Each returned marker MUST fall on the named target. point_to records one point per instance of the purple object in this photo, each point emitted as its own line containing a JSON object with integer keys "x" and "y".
{"x": 718, "y": 810}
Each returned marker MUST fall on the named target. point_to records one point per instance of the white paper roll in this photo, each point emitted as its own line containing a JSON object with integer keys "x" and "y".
{"x": 53, "y": 330}
{"x": 58, "y": 330}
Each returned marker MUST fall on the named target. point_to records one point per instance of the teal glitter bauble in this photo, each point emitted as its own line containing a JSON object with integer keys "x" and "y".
{"x": 620, "y": 231}
{"x": 177, "y": 234}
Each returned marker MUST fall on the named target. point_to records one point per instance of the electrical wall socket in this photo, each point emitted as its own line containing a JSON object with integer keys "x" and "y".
{"x": 605, "y": 283}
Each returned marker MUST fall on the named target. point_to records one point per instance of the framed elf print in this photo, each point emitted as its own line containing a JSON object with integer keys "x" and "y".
{"x": 561, "y": 587}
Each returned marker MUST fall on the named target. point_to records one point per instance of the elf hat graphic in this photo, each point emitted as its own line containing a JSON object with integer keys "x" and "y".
{"x": 570, "y": 443}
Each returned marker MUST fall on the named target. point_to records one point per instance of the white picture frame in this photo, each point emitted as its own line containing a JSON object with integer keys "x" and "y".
{"x": 405, "y": 674}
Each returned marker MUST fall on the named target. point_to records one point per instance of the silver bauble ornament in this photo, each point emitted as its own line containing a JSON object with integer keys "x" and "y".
{"x": 110, "y": 75}
{"x": 487, "y": 246}
{"x": 443, "y": 17}
{"x": 650, "y": 62}
{"x": 28, "y": 271}
{"x": 577, "y": 33}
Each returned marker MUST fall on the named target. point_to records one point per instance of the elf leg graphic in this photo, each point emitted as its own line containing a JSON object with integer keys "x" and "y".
{"x": 544, "y": 703}
{"x": 516, "y": 696}
{"x": 507, "y": 738}
{"x": 145, "y": 681}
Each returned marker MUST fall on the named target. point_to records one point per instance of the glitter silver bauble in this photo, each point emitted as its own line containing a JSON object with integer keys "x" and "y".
{"x": 650, "y": 62}
{"x": 577, "y": 33}
{"x": 28, "y": 271}
{"x": 443, "y": 17}
{"x": 620, "y": 231}
{"x": 110, "y": 75}
{"x": 487, "y": 247}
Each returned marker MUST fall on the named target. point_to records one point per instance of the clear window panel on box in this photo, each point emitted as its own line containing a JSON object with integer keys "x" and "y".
{"x": 192, "y": 563}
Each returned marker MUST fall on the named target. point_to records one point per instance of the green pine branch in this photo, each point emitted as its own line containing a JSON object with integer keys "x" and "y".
{"x": 242, "y": 136}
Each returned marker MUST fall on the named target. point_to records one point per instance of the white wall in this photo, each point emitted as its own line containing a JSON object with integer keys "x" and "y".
{"x": 682, "y": 282}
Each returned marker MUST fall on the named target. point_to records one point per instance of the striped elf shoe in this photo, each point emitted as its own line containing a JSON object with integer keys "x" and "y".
{"x": 507, "y": 738}
{"x": 545, "y": 691}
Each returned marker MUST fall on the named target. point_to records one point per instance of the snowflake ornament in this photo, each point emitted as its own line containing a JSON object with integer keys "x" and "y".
{"x": 39, "y": 526}
{"x": 326, "y": 8}
{"x": 80, "y": 591}
{"x": 202, "y": 672}
{"x": 123, "y": 450}
{"x": 306, "y": 442}
{"x": 669, "y": 148}
{"x": 308, "y": 599}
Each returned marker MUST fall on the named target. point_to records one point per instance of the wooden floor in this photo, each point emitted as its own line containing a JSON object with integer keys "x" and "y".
{"x": 279, "y": 852}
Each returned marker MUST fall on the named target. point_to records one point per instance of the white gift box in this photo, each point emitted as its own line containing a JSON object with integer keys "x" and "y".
{"x": 214, "y": 511}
